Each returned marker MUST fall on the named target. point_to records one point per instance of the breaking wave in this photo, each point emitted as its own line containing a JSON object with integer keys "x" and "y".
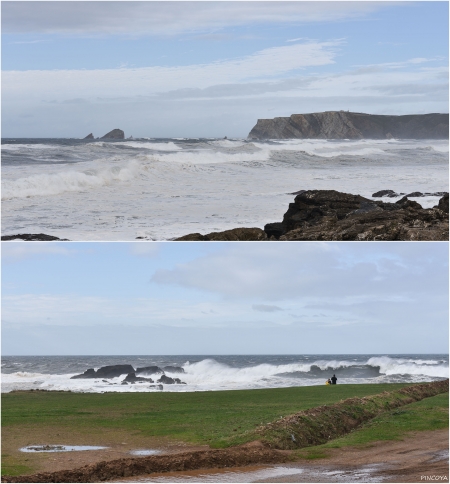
{"x": 211, "y": 375}
{"x": 68, "y": 181}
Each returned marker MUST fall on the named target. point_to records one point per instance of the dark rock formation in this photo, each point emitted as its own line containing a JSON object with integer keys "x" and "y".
{"x": 114, "y": 134}
{"x": 332, "y": 215}
{"x": 170, "y": 381}
{"x": 384, "y": 193}
{"x": 233, "y": 234}
{"x": 111, "y": 371}
{"x": 346, "y": 125}
{"x": 174, "y": 369}
{"x": 31, "y": 237}
{"x": 443, "y": 204}
{"x": 87, "y": 374}
{"x": 149, "y": 369}
{"x": 89, "y": 136}
{"x": 132, "y": 378}
{"x": 392, "y": 194}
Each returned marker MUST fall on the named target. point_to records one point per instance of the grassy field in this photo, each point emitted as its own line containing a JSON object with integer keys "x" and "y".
{"x": 428, "y": 414}
{"x": 217, "y": 419}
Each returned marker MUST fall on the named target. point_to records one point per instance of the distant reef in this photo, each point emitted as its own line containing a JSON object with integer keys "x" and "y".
{"x": 114, "y": 134}
{"x": 347, "y": 125}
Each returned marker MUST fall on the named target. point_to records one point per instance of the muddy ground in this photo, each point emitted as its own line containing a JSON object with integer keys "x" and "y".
{"x": 420, "y": 455}
{"x": 409, "y": 460}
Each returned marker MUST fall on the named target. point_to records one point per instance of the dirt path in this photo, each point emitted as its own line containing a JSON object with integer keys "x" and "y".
{"x": 420, "y": 455}
{"x": 410, "y": 460}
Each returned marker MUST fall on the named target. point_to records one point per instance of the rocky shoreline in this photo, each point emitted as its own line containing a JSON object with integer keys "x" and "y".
{"x": 114, "y": 371}
{"x": 330, "y": 215}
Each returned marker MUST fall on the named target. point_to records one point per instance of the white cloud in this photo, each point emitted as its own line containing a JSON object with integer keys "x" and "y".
{"x": 266, "y": 308}
{"x": 319, "y": 272}
{"x": 20, "y": 250}
{"x": 169, "y": 18}
{"x": 60, "y": 85}
{"x": 145, "y": 249}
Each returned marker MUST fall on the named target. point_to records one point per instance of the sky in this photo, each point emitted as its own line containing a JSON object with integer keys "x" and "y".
{"x": 211, "y": 69}
{"x": 224, "y": 298}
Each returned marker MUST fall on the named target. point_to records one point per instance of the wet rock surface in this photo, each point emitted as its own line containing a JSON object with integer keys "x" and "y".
{"x": 31, "y": 237}
{"x": 170, "y": 381}
{"x": 149, "y": 369}
{"x": 111, "y": 371}
{"x": 393, "y": 194}
{"x": 174, "y": 369}
{"x": 132, "y": 378}
{"x": 332, "y": 215}
{"x": 232, "y": 235}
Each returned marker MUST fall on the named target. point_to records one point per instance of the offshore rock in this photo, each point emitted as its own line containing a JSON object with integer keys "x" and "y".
{"x": 170, "y": 381}
{"x": 31, "y": 237}
{"x": 332, "y": 215}
{"x": 114, "y": 134}
{"x": 347, "y": 125}
{"x": 233, "y": 234}
{"x": 111, "y": 371}
{"x": 174, "y": 369}
{"x": 132, "y": 378}
{"x": 89, "y": 136}
{"x": 149, "y": 369}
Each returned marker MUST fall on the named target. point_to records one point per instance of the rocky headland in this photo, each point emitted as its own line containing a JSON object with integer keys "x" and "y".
{"x": 331, "y": 215}
{"x": 347, "y": 125}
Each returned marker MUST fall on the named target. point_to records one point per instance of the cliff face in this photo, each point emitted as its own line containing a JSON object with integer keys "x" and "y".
{"x": 346, "y": 125}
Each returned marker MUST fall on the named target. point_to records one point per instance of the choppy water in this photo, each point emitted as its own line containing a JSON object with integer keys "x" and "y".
{"x": 164, "y": 188}
{"x": 215, "y": 372}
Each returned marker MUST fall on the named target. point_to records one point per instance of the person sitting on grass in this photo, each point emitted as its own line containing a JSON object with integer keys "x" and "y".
{"x": 328, "y": 382}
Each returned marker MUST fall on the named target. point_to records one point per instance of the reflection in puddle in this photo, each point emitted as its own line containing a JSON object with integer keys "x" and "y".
{"x": 60, "y": 448}
{"x": 285, "y": 473}
{"x": 145, "y": 452}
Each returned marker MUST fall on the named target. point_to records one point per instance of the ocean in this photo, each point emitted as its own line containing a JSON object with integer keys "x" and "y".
{"x": 215, "y": 372}
{"x": 159, "y": 189}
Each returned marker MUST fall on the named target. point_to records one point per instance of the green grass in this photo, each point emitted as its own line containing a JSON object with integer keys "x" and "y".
{"x": 428, "y": 414}
{"x": 218, "y": 419}
{"x": 12, "y": 468}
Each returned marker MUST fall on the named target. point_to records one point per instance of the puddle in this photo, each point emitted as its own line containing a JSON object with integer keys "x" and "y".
{"x": 284, "y": 473}
{"x": 60, "y": 448}
{"x": 145, "y": 452}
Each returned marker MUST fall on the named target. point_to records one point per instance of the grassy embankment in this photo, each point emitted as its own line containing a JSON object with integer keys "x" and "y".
{"x": 217, "y": 419}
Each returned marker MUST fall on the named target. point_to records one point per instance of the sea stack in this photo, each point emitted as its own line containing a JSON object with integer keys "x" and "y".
{"x": 347, "y": 125}
{"x": 114, "y": 134}
{"x": 89, "y": 136}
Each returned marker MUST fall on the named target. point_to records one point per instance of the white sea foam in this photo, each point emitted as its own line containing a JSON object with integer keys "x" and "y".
{"x": 68, "y": 181}
{"x": 211, "y": 375}
{"x": 173, "y": 187}
{"x": 398, "y": 366}
{"x": 162, "y": 146}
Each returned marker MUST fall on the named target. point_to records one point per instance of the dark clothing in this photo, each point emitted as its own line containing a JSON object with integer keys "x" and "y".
{"x": 333, "y": 380}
